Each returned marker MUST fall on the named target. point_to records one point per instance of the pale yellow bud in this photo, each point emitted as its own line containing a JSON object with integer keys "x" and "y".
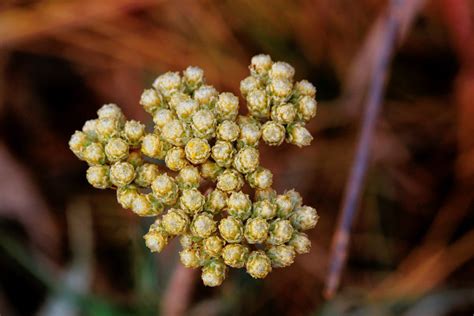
{"x": 146, "y": 173}
{"x": 230, "y": 180}
{"x": 197, "y": 150}
{"x": 176, "y": 159}
{"x": 203, "y": 225}
{"x": 235, "y": 255}
{"x": 122, "y": 173}
{"x": 213, "y": 246}
{"x": 188, "y": 177}
{"x": 264, "y": 209}
{"x": 116, "y": 149}
{"x": 281, "y": 256}
{"x": 191, "y": 201}
{"x": 231, "y": 229}
{"x": 298, "y": 135}
{"x": 256, "y": 230}
{"x": 94, "y": 154}
{"x": 247, "y": 159}
{"x": 133, "y": 132}
{"x": 258, "y": 264}
{"x": 273, "y": 133}
{"x": 228, "y": 131}
{"x": 227, "y": 106}
{"x": 98, "y": 176}
{"x": 175, "y": 221}
{"x": 223, "y": 153}
{"x": 151, "y": 100}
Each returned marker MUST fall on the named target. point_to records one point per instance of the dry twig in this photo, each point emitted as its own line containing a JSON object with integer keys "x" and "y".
{"x": 392, "y": 28}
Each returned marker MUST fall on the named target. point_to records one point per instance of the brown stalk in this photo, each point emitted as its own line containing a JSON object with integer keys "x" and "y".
{"x": 391, "y": 26}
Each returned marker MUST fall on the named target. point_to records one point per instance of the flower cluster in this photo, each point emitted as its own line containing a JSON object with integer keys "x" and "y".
{"x": 204, "y": 142}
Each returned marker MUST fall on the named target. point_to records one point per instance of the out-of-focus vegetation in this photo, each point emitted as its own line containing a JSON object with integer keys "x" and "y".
{"x": 66, "y": 249}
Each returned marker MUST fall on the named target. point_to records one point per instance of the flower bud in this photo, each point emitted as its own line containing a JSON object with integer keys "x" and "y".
{"x": 284, "y": 113}
{"x": 295, "y": 197}
{"x": 284, "y": 206}
{"x": 122, "y": 173}
{"x": 176, "y": 159}
{"x": 189, "y": 241}
{"x": 190, "y": 258}
{"x": 162, "y": 117}
{"x": 90, "y": 129}
{"x": 203, "y": 124}
{"x": 235, "y": 255}
{"x": 146, "y": 205}
{"x": 133, "y": 132}
{"x": 256, "y": 230}
{"x": 216, "y": 200}
{"x": 151, "y": 100}
{"x": 78, "y": 142}
{"x": 176, "y": 98}
{"x": 107, "y": 128}
{"x": 175, "y": 221}
{"x": 135, "y": 159}
{"x": 280, "y": 89}
{"x": 250, "y": 133}
{"x": 307, "y": 107}
{"x": 155, "y": 240}
{"x": 197, "y": 150}
{"x": 188, "y": 177}
{"x": 305, "y": 88}
{"x": 154, "y": 147}
{"x": 191, "y": 201}
{"x": 116, "y": 149}
{"x": 230, "y": 180}
{"x": 239, "y": 205}
{"x": 94, "y": 154}
{"x": 283, "y": 70}
{"x": 223, "y": 153}
{"x": 168, "y": 83}
{"x": 206, "y": 96}
{"x": 261, "y": 178}
{"x": 258, "y": 104}
{"x": 304, "y": 218}
{"x": 213, "y": 273}
{"x": 126, "y": 195}
{"x": 165, "y": 189}
{"x": 227, "y": 106}
{"x": 273, "y": 133}
{"x": 264, "y": 209}
{"x": 231, "y": 229}
{"x": 193, "y": 78}
{"x": 281, "y": 256}
{"x": 176, "y": 133}
{"x": 260, "y": 64}
{"x": 265, "y": 194}
{"x": 210, "y": 170}
{"x": 111, "y": 111}
{"x": 300, "y": 242}
{"x": 228, "y": 131}
{"x": 298, "y": 135}
{"x": 98, "y": 176}
{"x": 203, "y": 225}
{"x": 258, "y": 264}
{"x": 213, "y": 246}
{"x": 146, "y": 173}
{"x": 247, "y": 159}
{"x": 280, "y": 232}
{"x": 249, "y": 84}
{"x": 185, "y": 109}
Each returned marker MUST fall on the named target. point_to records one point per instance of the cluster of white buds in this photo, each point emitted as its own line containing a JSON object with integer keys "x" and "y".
{"x": 204, "y": 142}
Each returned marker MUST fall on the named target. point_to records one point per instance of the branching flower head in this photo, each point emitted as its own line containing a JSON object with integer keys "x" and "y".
{"x": 204, "y": 142}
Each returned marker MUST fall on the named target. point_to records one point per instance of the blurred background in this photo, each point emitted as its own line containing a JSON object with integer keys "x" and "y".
{"x": 69, "y": 249}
